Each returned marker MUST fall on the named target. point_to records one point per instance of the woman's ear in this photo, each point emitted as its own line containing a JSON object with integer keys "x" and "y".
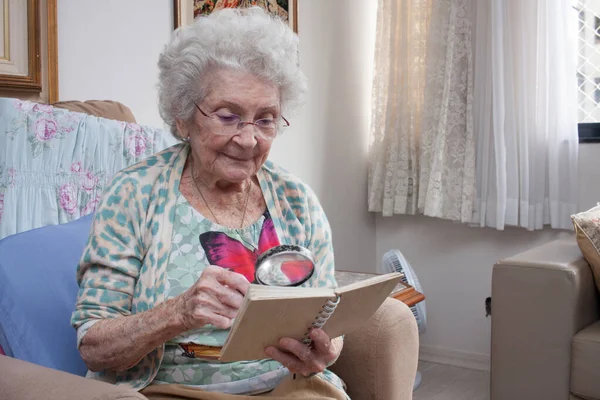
{"x": 182, "y": 129}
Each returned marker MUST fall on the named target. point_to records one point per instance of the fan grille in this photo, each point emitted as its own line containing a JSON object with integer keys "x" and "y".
{"x": 394, "y": 261}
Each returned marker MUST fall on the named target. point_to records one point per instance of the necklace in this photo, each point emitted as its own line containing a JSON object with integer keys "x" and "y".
{"x": 206, "y": 202}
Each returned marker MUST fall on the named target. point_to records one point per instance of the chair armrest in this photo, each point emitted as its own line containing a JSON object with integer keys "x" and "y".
{"x": 540, "y": 299}
{"x": 21, "y": 380}
{"x": 379, "y": 362}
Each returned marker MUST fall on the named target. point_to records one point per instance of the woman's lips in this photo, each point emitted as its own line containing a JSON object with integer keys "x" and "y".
{"x": 236, "y": 158}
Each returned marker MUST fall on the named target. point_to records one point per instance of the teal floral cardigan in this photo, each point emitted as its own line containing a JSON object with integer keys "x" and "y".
{"x": 123, "y": 268}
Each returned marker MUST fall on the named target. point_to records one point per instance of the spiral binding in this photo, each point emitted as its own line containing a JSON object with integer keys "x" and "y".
{"x": 322, "y": 317}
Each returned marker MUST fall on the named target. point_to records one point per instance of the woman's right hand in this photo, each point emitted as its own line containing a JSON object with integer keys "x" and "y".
{"x": 214, "y": 299}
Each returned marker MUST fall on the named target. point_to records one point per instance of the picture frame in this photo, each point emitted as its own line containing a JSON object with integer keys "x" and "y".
{"x": 186, "y": 10}
{"x": 29, "y": 49}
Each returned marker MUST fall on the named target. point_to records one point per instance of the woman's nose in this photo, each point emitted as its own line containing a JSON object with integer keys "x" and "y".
{"x": 246, "y": 136}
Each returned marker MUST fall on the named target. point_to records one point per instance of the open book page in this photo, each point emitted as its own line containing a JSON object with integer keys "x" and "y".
{"x": 345, "y": 278}
{"x": 375, "y": 279}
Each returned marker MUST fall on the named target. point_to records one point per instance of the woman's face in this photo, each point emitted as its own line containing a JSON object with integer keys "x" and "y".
{"x": 239, "y": 157}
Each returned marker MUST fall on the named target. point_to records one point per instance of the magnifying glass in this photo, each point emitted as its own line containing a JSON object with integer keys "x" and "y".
{"x": 285, "y": 265}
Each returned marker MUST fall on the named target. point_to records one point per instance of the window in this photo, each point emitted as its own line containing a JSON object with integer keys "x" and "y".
{"x": 588, "y": 68}
{"x": 588, "y": 58}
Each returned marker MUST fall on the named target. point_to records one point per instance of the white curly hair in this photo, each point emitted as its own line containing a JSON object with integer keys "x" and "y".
{"x": 248, "y": 39}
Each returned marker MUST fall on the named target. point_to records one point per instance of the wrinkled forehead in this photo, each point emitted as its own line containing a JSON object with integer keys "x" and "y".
{"x": 240, "y": 88}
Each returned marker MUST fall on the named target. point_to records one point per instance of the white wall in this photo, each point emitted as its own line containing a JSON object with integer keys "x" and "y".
{"x": 109, "y": 50}
{"x": 327, "y": 143}
{"x": 454, "y": 265}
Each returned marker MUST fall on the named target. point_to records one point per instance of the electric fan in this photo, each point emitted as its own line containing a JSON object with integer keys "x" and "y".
{"x": 394, "y": 261}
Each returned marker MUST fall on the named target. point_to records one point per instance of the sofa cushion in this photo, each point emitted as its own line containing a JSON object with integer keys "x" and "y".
{"x": 585, "y": 362}
{"x": 100, "y": 108}
{"x": 38, "y": 289}
{"x": 587, "y": 229}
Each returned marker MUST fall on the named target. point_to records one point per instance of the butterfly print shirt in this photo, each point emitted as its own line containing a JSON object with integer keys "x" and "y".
{"x": 197, "y": 243}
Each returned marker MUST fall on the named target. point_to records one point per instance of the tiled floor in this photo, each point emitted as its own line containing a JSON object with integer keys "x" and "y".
{"x": 446, "y": 382}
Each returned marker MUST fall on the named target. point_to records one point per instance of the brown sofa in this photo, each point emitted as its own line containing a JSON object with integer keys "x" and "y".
{"x": 100, "y": 108}
{"x": 545, "y": 326}
{"x": 378, "y": 362}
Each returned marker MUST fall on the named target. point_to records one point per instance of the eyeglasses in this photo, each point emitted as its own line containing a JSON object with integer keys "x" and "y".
{"x": 230, "y": 124}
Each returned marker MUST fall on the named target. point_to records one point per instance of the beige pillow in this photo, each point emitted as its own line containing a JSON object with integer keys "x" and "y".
{"x": 100, "y": 108}
{"x": 587, "y": 229}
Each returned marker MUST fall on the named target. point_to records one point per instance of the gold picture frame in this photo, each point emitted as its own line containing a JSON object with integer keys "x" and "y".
{"x": 186, "y": 10}
{"x": 38, "y": 74}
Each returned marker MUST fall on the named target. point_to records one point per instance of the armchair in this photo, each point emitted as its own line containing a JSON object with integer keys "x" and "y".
{"x": 37, "y": 295}
{"x": 545, "y": 325}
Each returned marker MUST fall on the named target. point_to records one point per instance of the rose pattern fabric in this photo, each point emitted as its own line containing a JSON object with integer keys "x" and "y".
{"x": 85, "y": 188}
{"x": 22, "y": 106}
{"x": 5, "y": 183}
{"x": 58, "y": 163}
{"x": 134, "y": 127}
{"x": 11, "y": 177}
{"x": 68, "y": 198}
{"x": 90, "y": 181}
{"x": 76, "y": 167}
{"x": 43, "y": 108}
{"x": 1, "y": 205}
{"x": 42, "y": 124}
{"x": 91, "y": 206}
{"x": 136, "y": 145}
{"x": 45, "y": 129}
{"x": 82, "y": 198}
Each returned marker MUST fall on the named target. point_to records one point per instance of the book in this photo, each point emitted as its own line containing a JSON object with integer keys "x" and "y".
{"x": 347, "y": 277}
{"x": 269, "y": 313}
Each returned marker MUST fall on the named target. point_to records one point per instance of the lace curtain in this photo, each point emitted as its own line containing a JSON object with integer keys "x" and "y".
{"x": 478, "y": 131}
{"x": 422, "y": 152}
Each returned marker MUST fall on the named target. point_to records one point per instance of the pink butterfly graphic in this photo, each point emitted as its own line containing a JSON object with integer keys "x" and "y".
{"x": 230, "y": 253}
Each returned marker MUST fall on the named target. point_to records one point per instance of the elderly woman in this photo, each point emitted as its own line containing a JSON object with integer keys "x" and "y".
{"x": 172, "y": 248}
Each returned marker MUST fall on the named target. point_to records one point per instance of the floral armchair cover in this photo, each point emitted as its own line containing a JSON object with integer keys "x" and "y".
{"x": 55, "y": 164}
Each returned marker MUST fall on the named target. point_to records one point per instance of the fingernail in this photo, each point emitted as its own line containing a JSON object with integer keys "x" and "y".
{"x": 269, "y": 351}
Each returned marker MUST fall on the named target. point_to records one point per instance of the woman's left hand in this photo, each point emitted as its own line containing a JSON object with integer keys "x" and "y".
{"x": 299, "y": 358}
